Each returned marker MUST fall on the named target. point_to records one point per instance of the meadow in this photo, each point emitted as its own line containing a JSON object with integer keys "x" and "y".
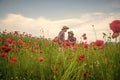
{"x": 24, "y": 57}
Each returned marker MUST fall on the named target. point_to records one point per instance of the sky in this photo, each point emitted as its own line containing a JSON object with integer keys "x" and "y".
{"x": 46, "y": 17}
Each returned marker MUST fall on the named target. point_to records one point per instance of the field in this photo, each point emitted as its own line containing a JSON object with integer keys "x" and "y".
{"x": 23, "y": 57}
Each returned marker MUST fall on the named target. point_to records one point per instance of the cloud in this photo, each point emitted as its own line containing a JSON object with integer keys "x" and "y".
{"x": 42, "y": 26}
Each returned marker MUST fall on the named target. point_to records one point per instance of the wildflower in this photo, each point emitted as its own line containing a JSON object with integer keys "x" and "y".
{"x": 16, "y": 32}
{"x": 81, "y": 57}
{"x": 35, "y": 43}
{"x": 55, "y": 68}
{"x": 20, "y": 42}
{"x": 33, "y": 51}
{"x": 6, "y": 43}
{"x": 55, "y": 39}
{"x": 13, "y": 43}
{"x": 27, "y": 45}
{"x": 9, "y": 40}
{"x": 115, "y": 26}
{"x": 3, "y": 55}
{"x": 41, "y": 51}
{"x": 85, "y": 38}
{"x": 13, "y": 60}
{"x": 99, "y": 43}
{"x": 84, "y": 35}
{"x": 85, "y": 73}
{"x": 41, "y": 59}
{"x": 75, "y": 47}
{"x": 85, "y": 45}
{"x": 6, "y": 48}
{"x": 36, "y": 47}
{"x": 92, "y": 43}
{"x": 16, "y": 49}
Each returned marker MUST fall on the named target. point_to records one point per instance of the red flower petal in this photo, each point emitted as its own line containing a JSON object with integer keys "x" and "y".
{"x": 99, "y": 43}
{"x": 81, "y": 57}
{"x": 20, "y": 42}
{"x": 115, "y": 26}
{"x": 41, "y": 59}
{"x": 13, "y": 60}
{"x": 3, "y": 55}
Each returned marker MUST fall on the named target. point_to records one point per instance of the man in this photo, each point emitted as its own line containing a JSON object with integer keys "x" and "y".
{"x": 61, "y": 35}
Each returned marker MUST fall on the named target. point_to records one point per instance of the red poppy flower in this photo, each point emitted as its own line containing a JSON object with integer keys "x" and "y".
{"x": 13, "y": 60}
{"x": 15, "y": 49}
{"x": 81, "y": 57}
{"x": 9, "y": 40}
{"x": 33, "y": 51}
{"x": 115, "y": 26}
{"x": 6, "y": 48}
{"x": 6, "y": 43}
{"x": 41, "y": 59}
{"x": 85, "y": 73}
{"x": 55, "y": 39}
{"x": 16, "y": 32}
{"x": 55, "y": 68}
{"x": 35, "y": 43}
{"x": 20, "y": 42}
{"x": 84, "y": 35}
{"x": 41, "y": 51}
{"x": 3, "y": 55}
{"x": 99, "y": 43}
{"x": 75, "y": 47}
{"x": 85, "y": 38}
{"x": 37, "y": 47}
{"x": 13, "y": 43}
{"x": 92, "y": 43}
{"x": 85, "y": 45}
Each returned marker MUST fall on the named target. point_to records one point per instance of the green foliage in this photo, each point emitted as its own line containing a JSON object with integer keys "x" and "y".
{"x": 59, "y": 63}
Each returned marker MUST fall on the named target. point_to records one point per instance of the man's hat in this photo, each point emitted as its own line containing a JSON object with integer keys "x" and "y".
{"x": 65, "y": 27}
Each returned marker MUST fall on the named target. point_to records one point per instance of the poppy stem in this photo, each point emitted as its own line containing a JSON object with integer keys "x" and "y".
{"x": 94, "y": 32}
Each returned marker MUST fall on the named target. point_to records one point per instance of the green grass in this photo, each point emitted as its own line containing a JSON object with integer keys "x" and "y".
{"x": 58, "y": 63}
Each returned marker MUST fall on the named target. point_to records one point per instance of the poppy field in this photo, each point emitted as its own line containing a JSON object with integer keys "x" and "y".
{"x": 24, "y": 57}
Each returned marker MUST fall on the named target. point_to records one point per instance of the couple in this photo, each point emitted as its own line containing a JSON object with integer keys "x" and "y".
{"x": 61, "y": 36}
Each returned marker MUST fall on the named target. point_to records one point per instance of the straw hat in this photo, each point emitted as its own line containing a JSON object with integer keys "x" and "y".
{"x": 71, "y": 32}
{"x": 65, "y": 27}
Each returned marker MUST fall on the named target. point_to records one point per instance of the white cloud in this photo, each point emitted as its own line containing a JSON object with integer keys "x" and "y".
{"x": 50, "y": 29}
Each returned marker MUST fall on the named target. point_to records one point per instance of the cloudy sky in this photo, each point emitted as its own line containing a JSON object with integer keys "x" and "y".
{"x": 46, "y": 17}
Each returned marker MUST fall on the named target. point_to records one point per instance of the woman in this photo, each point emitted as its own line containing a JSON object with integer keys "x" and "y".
{"x": 71, "y": 37}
